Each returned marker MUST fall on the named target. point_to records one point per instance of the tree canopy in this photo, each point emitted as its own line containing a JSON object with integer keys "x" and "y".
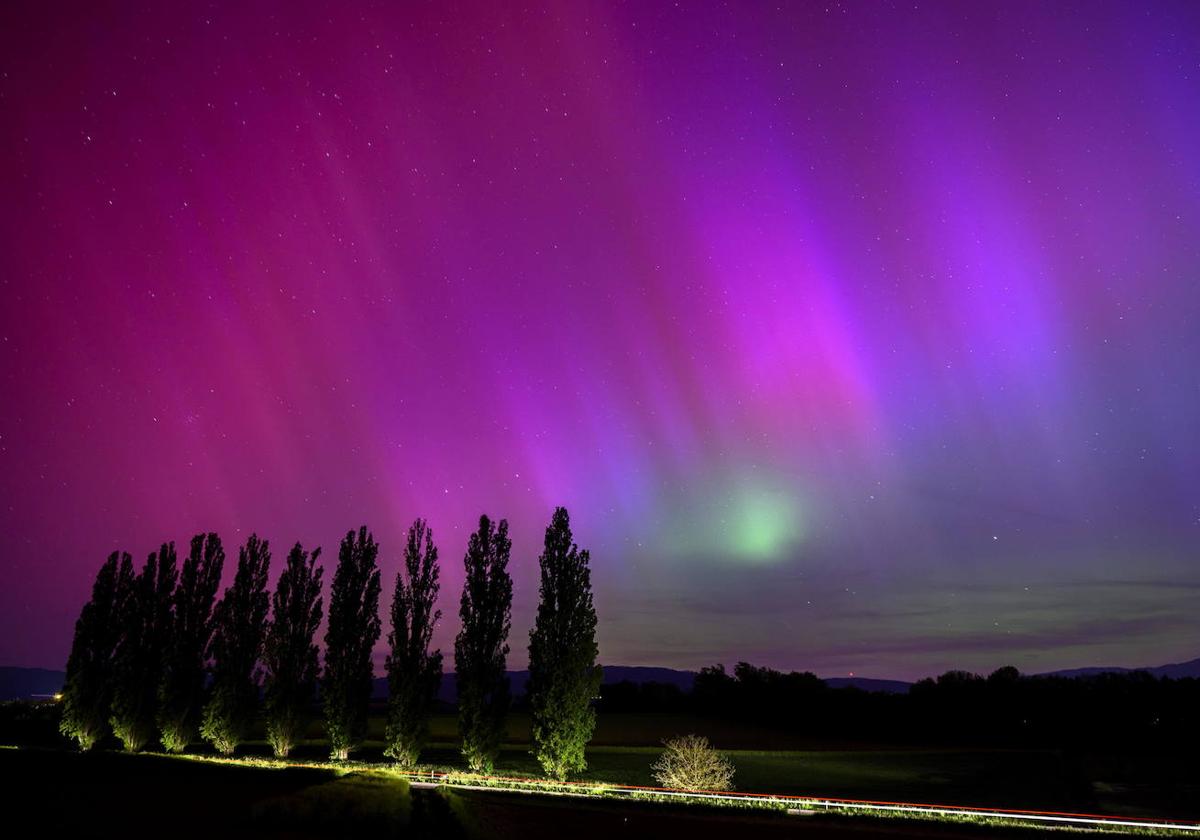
{"x": 181, "y": 693}
{"x": 240, "y": 624}
{"x": 289, "y": 652}
{"x": 353, "y": 630}
{"x": 481, "y": 647}
{"x": 87, "y": 689}
{"x": 414, "y": 672}
{"x": 563, "y": 675}
{"x": 145, "y": 639}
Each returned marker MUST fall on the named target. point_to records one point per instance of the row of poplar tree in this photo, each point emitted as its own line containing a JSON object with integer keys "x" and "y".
{"x": 156, "y": 654}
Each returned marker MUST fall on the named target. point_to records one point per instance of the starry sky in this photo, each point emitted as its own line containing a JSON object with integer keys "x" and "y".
{"x": 857, "y": 337}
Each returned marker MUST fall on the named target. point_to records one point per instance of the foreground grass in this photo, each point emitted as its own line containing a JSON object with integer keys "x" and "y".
{"x": 1148, "y": 786}
{"x": 62, "y": 792}
{"x": 995, "y": 778}
{"x": 468, "y": 820}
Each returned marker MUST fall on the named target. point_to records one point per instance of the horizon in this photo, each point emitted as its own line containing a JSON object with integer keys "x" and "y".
{"x": 855, "y": 339}
{"x": 379, "y": 672}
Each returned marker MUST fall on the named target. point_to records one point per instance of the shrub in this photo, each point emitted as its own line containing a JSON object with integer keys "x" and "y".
{"x": 690, "y": 763}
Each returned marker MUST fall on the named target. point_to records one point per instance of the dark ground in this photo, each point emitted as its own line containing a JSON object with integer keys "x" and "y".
{"x": 1110, "y": 779}
{"x": 58, "y": 793}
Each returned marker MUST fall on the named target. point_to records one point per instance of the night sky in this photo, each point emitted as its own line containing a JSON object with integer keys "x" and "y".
{"x": 855, "y": 337}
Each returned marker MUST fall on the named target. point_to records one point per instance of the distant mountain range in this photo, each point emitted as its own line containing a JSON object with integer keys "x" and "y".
{"x": 868, "y": 684}
{"x": 1175, "y": 671}
{"x": 24, "y": 683}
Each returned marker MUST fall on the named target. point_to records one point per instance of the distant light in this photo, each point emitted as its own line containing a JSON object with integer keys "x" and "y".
{"x": 57, "y": 696}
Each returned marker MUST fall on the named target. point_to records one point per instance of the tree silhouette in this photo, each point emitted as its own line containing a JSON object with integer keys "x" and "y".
{"x": 240, "y": 624}
{"x": 414, "y": 672}
{"x": 481, "y": 647}
{"x": 352, "y": 633}
{"x": 145, "y": 637}
{"x": 87, "y": 689}
{"x": 563, "y": 674}
{"x": 182, "y": 690}
{"x": 289, "y": 653}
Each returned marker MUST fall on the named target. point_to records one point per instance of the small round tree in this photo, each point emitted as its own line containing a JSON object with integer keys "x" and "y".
{"x": 691, "y": 763}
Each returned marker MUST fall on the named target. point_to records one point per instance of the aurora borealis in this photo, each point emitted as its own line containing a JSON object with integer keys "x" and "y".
{"x": 856, "y": 337}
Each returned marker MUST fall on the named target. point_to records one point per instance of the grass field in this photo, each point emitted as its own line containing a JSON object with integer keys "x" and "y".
{"x": 60, "y": 793}
{"x": 625, "y": 747}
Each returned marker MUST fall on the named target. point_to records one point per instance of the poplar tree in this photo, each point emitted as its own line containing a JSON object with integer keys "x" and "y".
{"x": 289, "y": 653}
{"x": 414, "y": 672}
{"x": 87, "y": 689}
{"x": 145, "y": 637}
{"x": 563, "y": 674}
{"x": 353, "y": 630}
{"x": 240, "y": 624}
{"x": 181, "y": 692}
{"x": 481, "y": 647}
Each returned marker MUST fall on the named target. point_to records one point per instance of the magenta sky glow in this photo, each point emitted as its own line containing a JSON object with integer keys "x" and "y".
{"x": 856, "y": 337}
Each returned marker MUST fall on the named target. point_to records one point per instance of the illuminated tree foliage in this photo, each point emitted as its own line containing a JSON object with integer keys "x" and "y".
{"x": 563, "y": 674}
{"x": 289, "y": 653}
{"x": 414, "y": 673}
{"x": 87, "y": 690}
{"x": 145, "y": 636}
{"x": 689, "y": 763}
{"x": 181, "y": 692}
{"x": 240, "y": 624}
{"x": 481, "y": 647}
{"x": 353, "y": 630}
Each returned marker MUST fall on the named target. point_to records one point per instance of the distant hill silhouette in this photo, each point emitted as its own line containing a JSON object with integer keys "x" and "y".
{"x": 1175, "y": 671}
{"x": 612, "y": 674}
{"x": 644, "y": 674}
{"x": 23, "y": 683}
{"x": 868, "y": 684}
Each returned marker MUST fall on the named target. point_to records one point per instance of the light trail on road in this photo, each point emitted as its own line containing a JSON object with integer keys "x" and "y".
{"x": 813, "y": 804}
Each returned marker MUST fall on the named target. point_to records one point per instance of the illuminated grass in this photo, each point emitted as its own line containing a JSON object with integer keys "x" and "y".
{"x": 546, "y": 786}
{"x": 456, "y": 779}
{"x": 370, "y": 800}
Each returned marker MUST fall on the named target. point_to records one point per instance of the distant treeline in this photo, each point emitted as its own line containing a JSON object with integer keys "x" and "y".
{"x": 1005, "y": 708}
{"x": 157, "y": 657}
